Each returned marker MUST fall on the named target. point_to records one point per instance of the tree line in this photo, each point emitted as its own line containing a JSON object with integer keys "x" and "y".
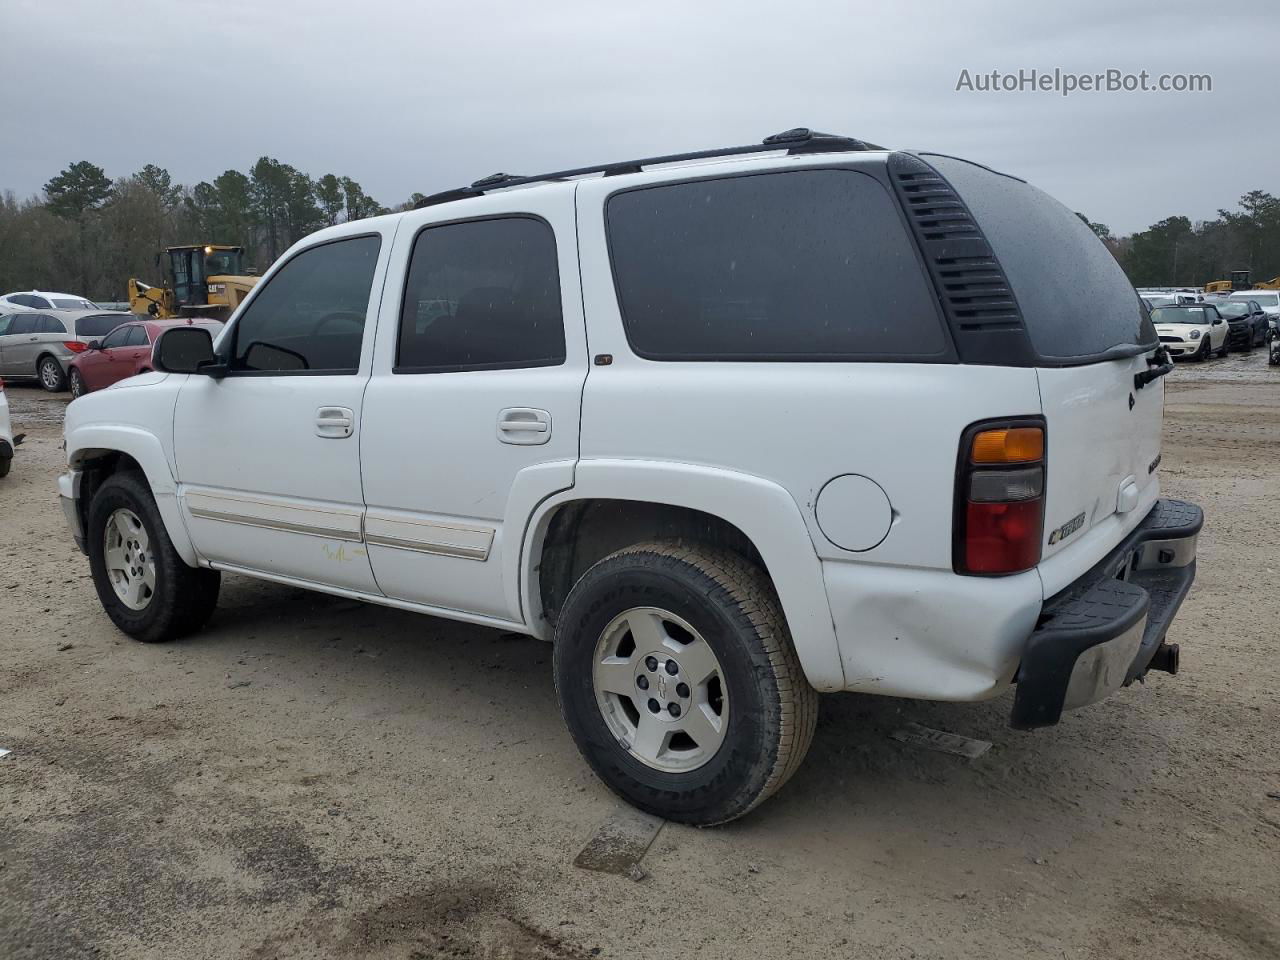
{"x": 88, "y": 234}
{"x": 1177, "y": 252}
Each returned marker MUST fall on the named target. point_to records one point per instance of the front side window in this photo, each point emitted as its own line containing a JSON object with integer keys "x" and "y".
{"x": 800, "y": 265}
{"x": 116, "y": 338}
{"x": 310, "y": 315}
{"x": 482, "y": 295}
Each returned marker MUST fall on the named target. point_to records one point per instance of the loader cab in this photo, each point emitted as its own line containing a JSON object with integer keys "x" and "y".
{"x": 191, "y": 267}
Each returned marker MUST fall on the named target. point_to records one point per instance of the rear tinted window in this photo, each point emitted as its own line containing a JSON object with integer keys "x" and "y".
{"x": 803, "y": 265}
{"x": 1075, "y": 300}
{"x": 100, "y": 325}
{"x": 1264, "y": 299}
{"x": 482, "y": 295}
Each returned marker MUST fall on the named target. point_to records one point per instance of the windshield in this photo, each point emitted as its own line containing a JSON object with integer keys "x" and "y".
{"x": 1233, "y": 309}
{"x": 1180, "y": 315}
{"x": 66, "y": 303}
{"x": 224, "y": 262}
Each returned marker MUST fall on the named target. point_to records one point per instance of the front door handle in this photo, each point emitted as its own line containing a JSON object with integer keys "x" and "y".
{"x": 335, "y": 423}
{"x": 525, "y": 426}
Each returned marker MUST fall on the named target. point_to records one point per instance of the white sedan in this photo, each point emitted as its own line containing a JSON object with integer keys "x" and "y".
{"x": 1194, "y": 330}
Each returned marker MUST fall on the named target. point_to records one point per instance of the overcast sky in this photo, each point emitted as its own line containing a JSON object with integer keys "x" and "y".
{"x": 428, "y": 95}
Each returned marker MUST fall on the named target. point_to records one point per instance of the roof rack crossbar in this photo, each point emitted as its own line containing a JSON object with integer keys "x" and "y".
{"x": 799, "y": 140}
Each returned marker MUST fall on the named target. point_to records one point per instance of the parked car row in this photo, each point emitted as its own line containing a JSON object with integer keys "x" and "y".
{"x": 41, "y": 345}
{"x": 1199, "y": 331}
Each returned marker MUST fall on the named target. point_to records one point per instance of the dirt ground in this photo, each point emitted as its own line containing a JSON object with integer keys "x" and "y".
{"x": 314, "y": 777}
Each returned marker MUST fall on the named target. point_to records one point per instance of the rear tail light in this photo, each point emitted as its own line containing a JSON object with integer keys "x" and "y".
{"x": 999, "y": 512}
{"x": 75, "y": 346}
{"x": 1, "y": 386}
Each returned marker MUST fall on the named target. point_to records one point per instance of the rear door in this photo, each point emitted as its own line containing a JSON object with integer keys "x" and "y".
{"x": 471, "y": 416}
{"x": 21, "y": 345}
{"x": 1087, "y": 325}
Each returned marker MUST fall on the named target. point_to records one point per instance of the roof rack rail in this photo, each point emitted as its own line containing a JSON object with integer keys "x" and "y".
{"x": 797, "y": 140}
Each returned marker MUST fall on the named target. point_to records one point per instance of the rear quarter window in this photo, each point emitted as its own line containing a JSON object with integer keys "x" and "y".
{"x": 1075, "y": 300}
{"x": 795, "y": 265}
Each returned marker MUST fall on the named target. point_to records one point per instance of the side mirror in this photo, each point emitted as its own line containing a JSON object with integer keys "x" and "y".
{"x": 186, "y": 350}
{"x": 93, "y": 345}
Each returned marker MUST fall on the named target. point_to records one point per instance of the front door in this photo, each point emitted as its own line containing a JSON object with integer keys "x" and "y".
{"x": 268, "y": 458}
{"x": 102, "y": 367}
{"x": 471, "y": 416}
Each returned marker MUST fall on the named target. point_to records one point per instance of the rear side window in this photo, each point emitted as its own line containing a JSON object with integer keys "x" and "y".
{"x": 1075, "y": 300}
{"x": 482, "y": 295}
{"x": 24, "y": 323}
{"x": 310, "y": 315}
{"x": 801, "y": 265}
{"x": 99, "y": 325}
{"x": 137, "y": 337}
{"x": 51, "y": 325}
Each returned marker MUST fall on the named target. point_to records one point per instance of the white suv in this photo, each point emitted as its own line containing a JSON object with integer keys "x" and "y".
{"x": 730, "y": 428}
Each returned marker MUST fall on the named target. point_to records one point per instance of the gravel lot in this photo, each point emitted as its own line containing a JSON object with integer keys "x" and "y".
{"x": 314, "y": 777}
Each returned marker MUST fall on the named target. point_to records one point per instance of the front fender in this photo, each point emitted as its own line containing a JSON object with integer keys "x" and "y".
{"x": 764, "y": 511}
{"x": 85, "y": 443}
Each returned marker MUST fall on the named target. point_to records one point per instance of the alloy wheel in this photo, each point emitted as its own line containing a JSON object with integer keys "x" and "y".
{"x": 660, "y": 689}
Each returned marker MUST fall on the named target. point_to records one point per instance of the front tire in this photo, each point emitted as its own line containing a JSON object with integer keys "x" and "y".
{"x": 145, "y": 587}
{"x": 1206, "y": 350}
{"x": 49, "y": 372}
{"x": 679, "y": 683}
{"x": 1222, "y": 351}
{"x": 76, "y": 384}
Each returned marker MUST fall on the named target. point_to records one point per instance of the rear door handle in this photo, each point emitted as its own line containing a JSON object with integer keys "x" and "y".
{"x": 335, "y": 423}
{"x": 525, "y": 426}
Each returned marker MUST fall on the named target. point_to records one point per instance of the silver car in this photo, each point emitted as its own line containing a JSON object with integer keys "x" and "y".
{"x": 39, "y": 344}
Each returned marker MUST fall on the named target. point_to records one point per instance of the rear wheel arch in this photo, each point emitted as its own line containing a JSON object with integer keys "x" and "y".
{"x": 751, "y": 516}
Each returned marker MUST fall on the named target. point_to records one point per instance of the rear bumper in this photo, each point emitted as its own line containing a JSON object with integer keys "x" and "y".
{"x": 1105, "y": 629}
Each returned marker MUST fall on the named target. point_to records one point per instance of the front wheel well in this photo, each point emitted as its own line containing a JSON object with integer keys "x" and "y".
{"x": 95, "y": 467}
{"x": 581, "y": 533}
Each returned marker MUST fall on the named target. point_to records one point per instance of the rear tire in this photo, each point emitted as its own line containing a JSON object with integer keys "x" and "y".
{"x": 5, "y": 464}
{"x": 724, "y": 744}
{"x": 128, "y": 545}
{"x": 75, "y": 382}
{"x": 49, "y": 373}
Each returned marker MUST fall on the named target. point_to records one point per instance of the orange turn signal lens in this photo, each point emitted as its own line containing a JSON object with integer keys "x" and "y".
{"x": 1011, "y": 445}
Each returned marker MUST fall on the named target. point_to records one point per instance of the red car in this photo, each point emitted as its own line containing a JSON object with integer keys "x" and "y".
{"x": 123, "y": 352}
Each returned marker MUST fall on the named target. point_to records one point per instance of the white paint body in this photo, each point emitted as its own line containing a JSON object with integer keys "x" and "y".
{"x": 1188, "y": 338}
{"x": 424, "y": 507}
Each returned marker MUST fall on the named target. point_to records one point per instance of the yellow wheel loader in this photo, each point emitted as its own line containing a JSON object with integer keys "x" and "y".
{"x": 203, "y": 280}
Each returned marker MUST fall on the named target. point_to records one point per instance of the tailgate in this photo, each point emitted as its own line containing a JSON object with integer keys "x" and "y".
{"x": 1103, "y": 454}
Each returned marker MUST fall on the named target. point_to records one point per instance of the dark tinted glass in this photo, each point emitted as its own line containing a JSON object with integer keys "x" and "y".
{"x": 1074, "y": 298}
{"x": 116, "y": 338}
{"x": 51, "y": 325}
{"x": 798, "y": 265}
{"x": 24, "y": 323}
{"x": 99, "y": 325}
{"x": 482, "y": 295}
{"x": 137, "y": 337}
{"x": 310, "y": 315}
{"x": 5, "y": 320}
